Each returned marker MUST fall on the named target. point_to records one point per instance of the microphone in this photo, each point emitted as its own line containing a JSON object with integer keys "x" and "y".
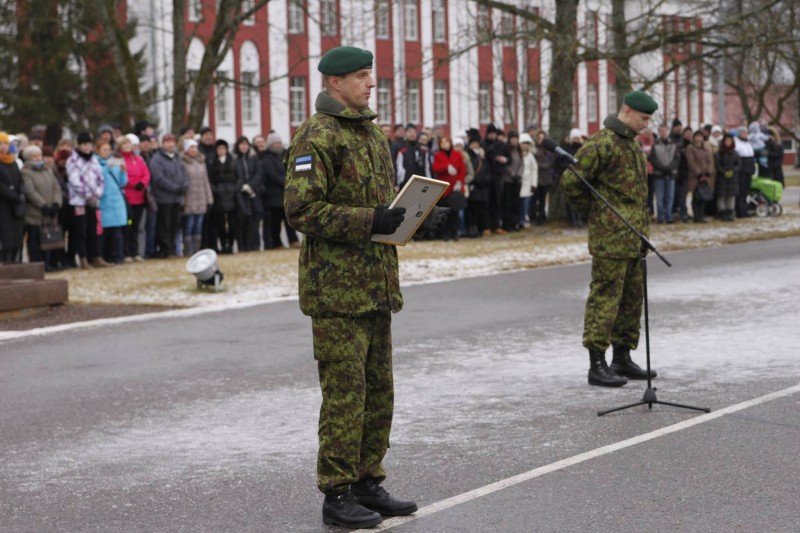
{"x": 551, "y": 146}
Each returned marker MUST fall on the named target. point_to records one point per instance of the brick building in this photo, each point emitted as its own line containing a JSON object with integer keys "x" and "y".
{"x": 502, "y": 81}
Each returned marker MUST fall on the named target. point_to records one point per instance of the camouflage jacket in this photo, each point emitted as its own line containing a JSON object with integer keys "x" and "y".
{"x": 613, "y": 163}
{"x": 338, "y": 170}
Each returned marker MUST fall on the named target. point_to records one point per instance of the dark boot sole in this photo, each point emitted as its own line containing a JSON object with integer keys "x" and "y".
{"x": 360, "y": 525}
{"x": 633, "y": 376}
{"x": 600, "y": 383}
{"x": 398, "y": 512}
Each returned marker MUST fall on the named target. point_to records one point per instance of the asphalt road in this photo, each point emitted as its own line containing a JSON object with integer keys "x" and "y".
{"x": 208, "y": 423}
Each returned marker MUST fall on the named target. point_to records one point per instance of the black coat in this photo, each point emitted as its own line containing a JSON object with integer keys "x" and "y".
{"x": 248, "y": 172}
{"x": 775, "y": 158}
{"x": 274, "y": 178}
{"x": 12, "y": 200}
{"x": 496, "y": 169}
{"x": 726, "y": 162}
{"x": 223, "y": 184}
{"x": 481, "y": 181}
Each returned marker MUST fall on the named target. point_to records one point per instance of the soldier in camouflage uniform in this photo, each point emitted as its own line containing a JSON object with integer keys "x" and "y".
{"x": 614, "y": 163}
{"x": 338, "y": 186}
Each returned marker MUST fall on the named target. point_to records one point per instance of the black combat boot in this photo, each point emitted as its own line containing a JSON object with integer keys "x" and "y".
{"x": 600, "y": 374}
{"x": 343, "y": 510}
{"x": 622, "y": 364}
{"x": 369, "y": 493}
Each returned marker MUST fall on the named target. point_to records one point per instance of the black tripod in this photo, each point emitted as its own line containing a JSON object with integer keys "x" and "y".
{"x": 650, "y": 393}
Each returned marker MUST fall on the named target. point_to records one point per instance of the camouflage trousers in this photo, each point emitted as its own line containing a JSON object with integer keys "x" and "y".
{"x": 354, "y": 359}
{"x": 614, "y": 305}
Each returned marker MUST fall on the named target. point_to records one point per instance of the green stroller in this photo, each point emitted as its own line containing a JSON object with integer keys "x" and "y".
{"x": 764, "y": 198}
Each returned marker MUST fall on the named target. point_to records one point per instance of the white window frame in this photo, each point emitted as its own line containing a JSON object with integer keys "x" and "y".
{"x": 532, "y": 108}
{"x": 383, "y": 20}
{"x": 506, "y": 24}
{"x": 411, "y": 20}
{"x": 222, "y": 104}
{"x": 296, "y": 14}
{"x": 590, "y": 26}
{"x": 439, "y": 17}
{"x": 591, "y": 102}
{"x": 329, "y": 18}
{"x": 440, "y": 115}
{"x": 613, "y": 105}
{"x": 509, "y": 103}
{"x": 195, "y": 10}
{"x": 384, "y": 107}
{"x": 247, "y": 5}
{"x": 483, "y": 22}
{"x": 413, "y": 103}
{"x": 297, "y": 100}
{"x": 249, "y": 93}
{"x": 484, "y": 102}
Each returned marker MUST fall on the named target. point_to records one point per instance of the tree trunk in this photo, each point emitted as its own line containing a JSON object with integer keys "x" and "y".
{"x": 125, "y": 66}
{"x": 179, "y": 83}
{"x": 561, "y": 87}
{"x": 622, "y": 66}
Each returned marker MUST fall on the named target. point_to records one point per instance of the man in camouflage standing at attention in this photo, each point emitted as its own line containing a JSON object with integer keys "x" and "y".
{"x": 339, "y": 185}
{"x": 614, "y": 163}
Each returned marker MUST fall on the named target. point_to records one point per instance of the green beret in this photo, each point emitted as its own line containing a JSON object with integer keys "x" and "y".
{"x": 641, "y": 101}
{"x": 344, "y": 59}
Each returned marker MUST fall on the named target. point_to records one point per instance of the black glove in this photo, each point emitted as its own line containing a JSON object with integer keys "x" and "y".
{"x": 435, "y": 218}
{"x": 385, "y": 221}
{"x": 55, "y": 208}
{"x": 139, "y": 186}
{"x": 47, "y": 210}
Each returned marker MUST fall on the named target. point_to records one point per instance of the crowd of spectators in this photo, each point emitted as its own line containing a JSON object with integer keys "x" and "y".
{"x": 712, "y": 167}
{"x": 123, "y": 198}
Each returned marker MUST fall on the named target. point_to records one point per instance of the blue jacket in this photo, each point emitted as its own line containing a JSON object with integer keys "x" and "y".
{"x": 113, "y": 210}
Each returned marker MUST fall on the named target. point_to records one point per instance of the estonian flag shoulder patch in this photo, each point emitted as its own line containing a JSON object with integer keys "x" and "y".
{"x": 303, "y": 163}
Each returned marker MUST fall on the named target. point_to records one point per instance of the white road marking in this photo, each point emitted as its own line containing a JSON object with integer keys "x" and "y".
{"x": 580, "y": 458}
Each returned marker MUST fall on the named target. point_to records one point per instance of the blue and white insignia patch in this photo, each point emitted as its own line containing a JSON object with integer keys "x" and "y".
{"x": 302, "y": 163}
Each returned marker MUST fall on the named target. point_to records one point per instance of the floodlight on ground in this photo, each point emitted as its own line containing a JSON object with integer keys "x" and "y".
{"x": 203, "y": 266}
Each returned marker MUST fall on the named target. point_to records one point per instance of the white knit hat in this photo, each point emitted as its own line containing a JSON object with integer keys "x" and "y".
{"x": 188, "y": 143}
{"x": 132, "y": 138}
{"x": 575, "y": 132}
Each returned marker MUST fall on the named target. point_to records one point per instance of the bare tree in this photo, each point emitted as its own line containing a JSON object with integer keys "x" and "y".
{"x": 229, "y": 17}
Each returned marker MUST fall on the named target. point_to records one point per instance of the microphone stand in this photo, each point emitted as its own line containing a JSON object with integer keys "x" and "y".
{"x": 649, "y": 397}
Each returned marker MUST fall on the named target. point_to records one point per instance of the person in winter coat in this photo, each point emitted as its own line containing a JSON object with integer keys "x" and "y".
{"x": 251, "y": 210}
{"x": 448, "y": 165}
{"x": 198, "y": 197}
{"x": 477, "y": 213}
{"x": 646, "y": 140}
{"x": 225, "y": 189}
{"x": 413, "y": 158}
{"x": 135, "y": 194}
{"x": 512, "y": 183}
{"x": 498, "y": 158}
{"x": 85, "y": 187}
{"x": 573, "y": 143}
{"x": 45, "y": 197}
{"x": 726, "y": 164}
{"x": 530, "y": 179}
{"x": 665, "y": 156}
{"x": 747, "y": 167}
{"x": 274, "y": 179}
{"x": 545, "y": 161}
{"x": 168, "y": 183}
{"x": 775, "y": 153}
{"x": 113, "y": 211}
{"x": 701, "y": 169}
{"x": 12, "y": 204}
